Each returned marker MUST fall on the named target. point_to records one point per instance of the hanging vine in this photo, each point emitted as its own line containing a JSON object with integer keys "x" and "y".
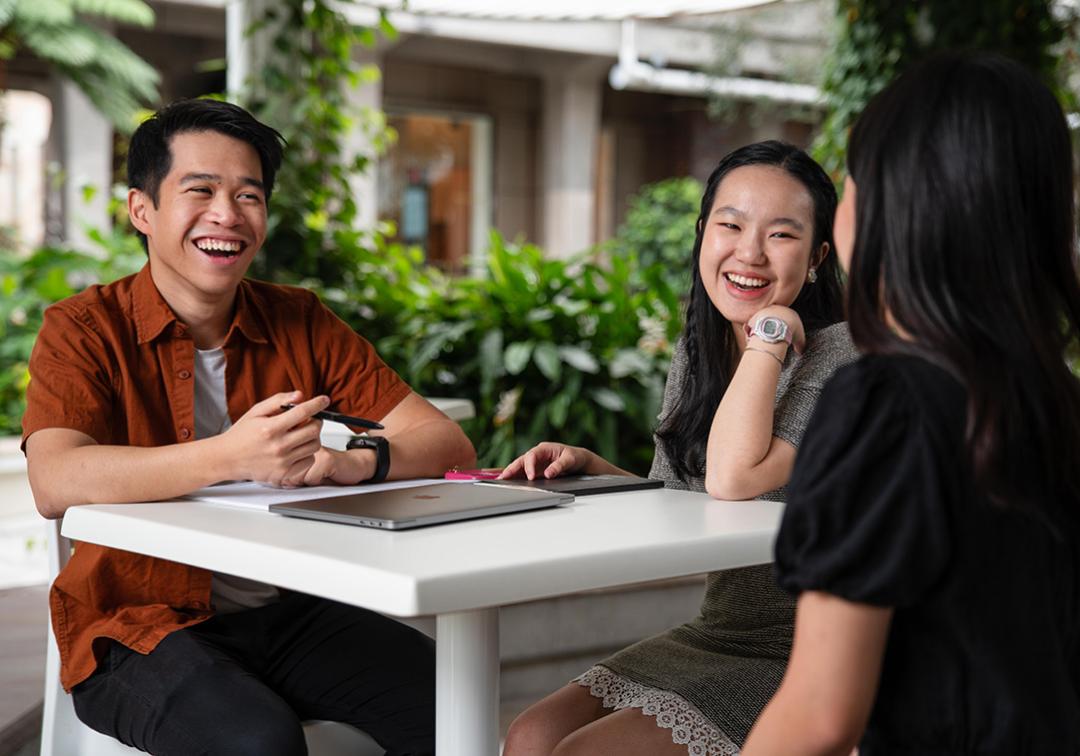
{"x": 304, "y": 89}
{"x": 877, "y": 39}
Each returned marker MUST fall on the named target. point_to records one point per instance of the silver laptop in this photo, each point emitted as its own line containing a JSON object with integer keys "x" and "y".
{"x": 405, "y": 508}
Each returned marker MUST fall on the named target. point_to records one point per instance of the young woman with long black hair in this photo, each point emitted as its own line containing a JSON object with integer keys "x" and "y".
{"x": 932, "y": 530}
{"x": 736, "y": 404}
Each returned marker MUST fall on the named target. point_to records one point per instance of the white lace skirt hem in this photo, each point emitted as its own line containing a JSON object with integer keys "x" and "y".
{"x": 688, "y": 726}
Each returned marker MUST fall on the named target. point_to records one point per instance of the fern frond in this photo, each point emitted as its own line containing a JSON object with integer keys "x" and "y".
{"x": 115, "y": 103}
{"x": 124, "y": 66}
{"x": 62, "y": 45}
{"x": 43, "y": 12}
{"x": 7, "y": 11}
{"x": 134, "y": 12}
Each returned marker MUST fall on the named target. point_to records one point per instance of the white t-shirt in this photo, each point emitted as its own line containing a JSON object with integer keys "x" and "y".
{"x": 228, "y": 593}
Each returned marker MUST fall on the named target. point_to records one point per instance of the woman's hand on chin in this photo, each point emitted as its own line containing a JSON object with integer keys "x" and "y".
{"x": 789, "y": 316}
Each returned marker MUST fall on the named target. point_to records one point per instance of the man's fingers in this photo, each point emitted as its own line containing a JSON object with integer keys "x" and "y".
{"x": 272, "y": 404}
{"x": 303, "y": 435}
{"x": 304, "y": 450}
{"x": 316, "y": 474}
{"x": 303, "y": 411}
{"x": 294, "y": 477}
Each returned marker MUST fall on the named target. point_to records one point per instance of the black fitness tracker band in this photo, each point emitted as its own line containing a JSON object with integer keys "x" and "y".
{"x": 382, "y": 454}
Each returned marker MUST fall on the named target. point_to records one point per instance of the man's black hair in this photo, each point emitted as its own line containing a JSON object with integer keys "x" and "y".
{"x": 150, "y": 154}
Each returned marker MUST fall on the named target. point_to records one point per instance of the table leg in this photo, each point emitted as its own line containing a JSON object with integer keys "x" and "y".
{"x": 467, "y": 683}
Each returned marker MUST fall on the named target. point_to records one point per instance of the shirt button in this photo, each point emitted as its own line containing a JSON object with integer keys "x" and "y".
{"x": 185, "y": 433}
{"x": 185, "y": 374}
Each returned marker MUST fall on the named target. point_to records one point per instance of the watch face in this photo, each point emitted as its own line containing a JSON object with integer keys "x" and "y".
{"x": 772, "y": 328}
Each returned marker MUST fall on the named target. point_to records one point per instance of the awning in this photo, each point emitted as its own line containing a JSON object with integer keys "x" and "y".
{"x": 565, "y": 10}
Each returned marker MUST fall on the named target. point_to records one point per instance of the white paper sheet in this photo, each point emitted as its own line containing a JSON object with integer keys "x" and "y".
{"x": 259, "y": 496}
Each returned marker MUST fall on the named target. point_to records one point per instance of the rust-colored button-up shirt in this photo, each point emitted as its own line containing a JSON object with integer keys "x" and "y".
{"x": 115, "y": 363}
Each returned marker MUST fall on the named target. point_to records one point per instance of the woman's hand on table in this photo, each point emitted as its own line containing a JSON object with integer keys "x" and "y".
{"x": 549, "y": 460}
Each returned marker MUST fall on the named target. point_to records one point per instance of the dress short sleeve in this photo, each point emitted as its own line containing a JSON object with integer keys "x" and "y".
{"x": 867, "y": 518}
{"x": 662, "y": 468}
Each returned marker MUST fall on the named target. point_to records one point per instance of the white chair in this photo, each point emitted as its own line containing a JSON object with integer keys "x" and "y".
{"x": 62, "y": 734}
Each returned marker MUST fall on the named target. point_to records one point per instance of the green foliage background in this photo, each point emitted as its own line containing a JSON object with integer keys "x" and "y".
{"x": 575, "y": 350}
{"x": 115, "y": 79}
{"x": 546, "y": 349}
{"x": 660, "y": 228}
{"x": 570, "y": 349}
{"x": 877, "y": 39}
{"x": 30, "y": 284}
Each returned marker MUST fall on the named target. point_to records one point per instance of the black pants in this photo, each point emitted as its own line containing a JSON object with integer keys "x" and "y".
{"x": 241, "y": 683}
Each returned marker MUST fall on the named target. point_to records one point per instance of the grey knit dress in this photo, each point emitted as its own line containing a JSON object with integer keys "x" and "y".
{"x": 709, "y": 679}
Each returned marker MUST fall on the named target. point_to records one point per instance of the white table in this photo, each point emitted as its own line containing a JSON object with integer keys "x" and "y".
{"x": 462, "y": 573}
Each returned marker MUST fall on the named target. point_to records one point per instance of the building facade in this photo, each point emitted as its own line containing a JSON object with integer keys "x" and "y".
{"x": 538, "y": 120}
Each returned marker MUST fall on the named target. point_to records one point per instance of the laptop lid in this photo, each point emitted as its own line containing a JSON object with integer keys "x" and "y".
{"x": 582, "y": 485}
{"x": 422, "y": 505}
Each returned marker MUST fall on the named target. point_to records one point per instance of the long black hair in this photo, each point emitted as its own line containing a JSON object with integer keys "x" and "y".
{"x": 965, "y": 235}
{"x": 708, "y": 339}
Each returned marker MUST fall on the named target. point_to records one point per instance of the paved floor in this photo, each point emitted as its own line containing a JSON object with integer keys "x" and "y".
{"x": 23, "y": 613}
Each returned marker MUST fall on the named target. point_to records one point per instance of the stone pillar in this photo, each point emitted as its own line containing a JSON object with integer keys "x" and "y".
{"x": 366, "y": 99}
{"x": 245, "y": 53}
{"x": 570, "y": 132}
{"x": 86, "y": 151}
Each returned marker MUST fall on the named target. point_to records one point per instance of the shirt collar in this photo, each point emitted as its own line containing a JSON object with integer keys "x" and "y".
{"x": 151, "y": 312}
{"x": 153, "y": 315}
{"x": 245, "y": 319}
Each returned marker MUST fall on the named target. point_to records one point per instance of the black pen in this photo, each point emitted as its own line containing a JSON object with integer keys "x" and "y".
{"x": 337, "y": 417}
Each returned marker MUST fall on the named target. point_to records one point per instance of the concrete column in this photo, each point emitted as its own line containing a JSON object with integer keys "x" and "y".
{"x": 570, "y": 132}
{"x": 366, "y": 100}
{"x": 245, "y": 53}
{"x": 86, "y": 156}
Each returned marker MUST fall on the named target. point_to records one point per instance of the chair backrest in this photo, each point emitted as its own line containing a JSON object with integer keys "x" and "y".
{"x": 61, "y": 731}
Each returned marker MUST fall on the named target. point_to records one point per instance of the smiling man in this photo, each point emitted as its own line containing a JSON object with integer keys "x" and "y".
{"x": 174, "y": 378}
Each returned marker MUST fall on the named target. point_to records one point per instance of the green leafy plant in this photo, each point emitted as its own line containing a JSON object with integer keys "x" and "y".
{"x": 575, "y": 350}
{"x": 877, "y": 39}
{"x": 303, "y": 90}
{"x": 30, "y": 284}
{"x": 660, "y": 228}
{"x": 571, "y": 350}
{"x": 115, "y": 79}
{"x": 545, "y": 349}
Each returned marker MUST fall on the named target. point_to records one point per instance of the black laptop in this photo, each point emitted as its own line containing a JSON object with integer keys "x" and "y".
{"x": 581, "y": 485}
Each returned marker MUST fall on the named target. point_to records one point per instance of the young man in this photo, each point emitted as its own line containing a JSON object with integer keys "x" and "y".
{"x": 173, "y": 379}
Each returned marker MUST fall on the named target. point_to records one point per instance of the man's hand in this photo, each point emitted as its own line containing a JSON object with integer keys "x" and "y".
{"x": 275, "y": 447}
{"x": 345, "y": 467}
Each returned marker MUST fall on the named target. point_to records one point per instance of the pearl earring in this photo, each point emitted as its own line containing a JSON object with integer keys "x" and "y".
{"x": 811, "y": 275}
